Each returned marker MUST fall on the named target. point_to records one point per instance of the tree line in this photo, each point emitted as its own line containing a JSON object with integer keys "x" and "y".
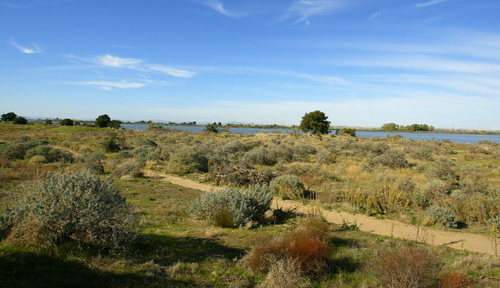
{"x": 412, "y": 127}
{"x": 101, "y": 121}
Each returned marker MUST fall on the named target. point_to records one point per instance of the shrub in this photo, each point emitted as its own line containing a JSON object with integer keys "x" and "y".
{"x": 302, "y": 151}
{"x": 145, "y": 142}
{"x": 391, "y": 158}
{"x": 309, "y": 249}
{"x": 441, "y": 215}
{"x": 112, "y": 145}
{"x": 456, "y": 280}
{"x": 189, "y": 159}
{"x": 65, "y": 207}
{"x": 130, "y": 168}
{"x": 242, "y": 207}
{"x": 442, "y": 168}
{"x": 494, "y": 223}
{"x": 66, "y": 122}
{"x": 427, "y": 193}
{"x": 409, "y": 267}
{"x": 51, "y": 154}
{"x": 285, "y": 273}
{"x": 17, "y": 149}
{"x": 238, "y": 175}
{"x": 38, "y": 159}
{"x": 260, "y": 156}
{"x": 288, "y": 186}
{"x": 346, "y": 131}
{"x": 94, "y": 162}
{"x": 20, "y": 120}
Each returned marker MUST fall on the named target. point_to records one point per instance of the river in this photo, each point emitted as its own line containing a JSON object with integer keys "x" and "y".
{"x": 452, "y": 137}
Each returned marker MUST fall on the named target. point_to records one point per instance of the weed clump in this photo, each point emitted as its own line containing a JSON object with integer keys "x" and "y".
{"x": 285, "y": 273}
{"x": 408, "y": 267}
{"x": 70, "y": 208}
{"x": 233, "y": 208}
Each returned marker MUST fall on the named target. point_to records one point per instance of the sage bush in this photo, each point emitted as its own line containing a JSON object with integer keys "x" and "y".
{"x": 70, "y": 208}
{"x": 231, "y": 207}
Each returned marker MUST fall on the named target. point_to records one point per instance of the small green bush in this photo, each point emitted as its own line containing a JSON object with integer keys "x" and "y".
{"x": 288, "y": 186}
{"x": 391, "y": 158}
{"x": 130, "y": 168}
{"x": 112, "y": 145}
{"x": 443, "y": 169}
{"x": 16, "y": 150}
{"x": 494, "y": 223}
{"x": 260, "y": 156}
{"x": 188, "y": 159}
{"x": 145, "y": 142}
{"x": 441, "y": 215}
{"x": 50, "y": 153}
{"x": 64, "y": 208}
{"x": 233, "y": 207}
{"x": 94, "y": 162}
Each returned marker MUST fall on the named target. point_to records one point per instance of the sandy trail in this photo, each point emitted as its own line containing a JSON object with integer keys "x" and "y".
{"x": 436, "y": 237}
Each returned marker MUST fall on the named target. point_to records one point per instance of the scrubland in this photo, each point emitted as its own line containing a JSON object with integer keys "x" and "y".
{"x": 153, "y": 234}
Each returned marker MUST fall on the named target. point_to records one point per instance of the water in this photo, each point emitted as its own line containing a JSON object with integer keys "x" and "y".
{"x": 456, "y": 138}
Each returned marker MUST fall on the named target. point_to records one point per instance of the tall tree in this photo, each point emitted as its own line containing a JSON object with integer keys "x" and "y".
{"x": 315, "y": 122}
{"x": 102, "y": 121}
{"x": 9, "y": 116}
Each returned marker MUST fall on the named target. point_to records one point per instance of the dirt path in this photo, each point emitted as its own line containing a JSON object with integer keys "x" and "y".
{"x": 436, "y": 237}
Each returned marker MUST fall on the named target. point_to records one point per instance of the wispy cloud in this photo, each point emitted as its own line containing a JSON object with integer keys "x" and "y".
{"x": 430, "y": 3}
{"x": 302, "y": 10}
{"x": 432, "y": 64}
{"x": 33, "y": 3}
{"x": 108, "y": 85}
{"x": 33, "y": 49}
{"x": 172, "y": 71}
{"x": 113, "y": 61}
{"x": 219, "y": 7}
{"x": 134, "y": 64}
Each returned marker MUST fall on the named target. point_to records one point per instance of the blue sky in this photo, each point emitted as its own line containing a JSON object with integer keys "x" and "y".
{"x": 362, "y": 62}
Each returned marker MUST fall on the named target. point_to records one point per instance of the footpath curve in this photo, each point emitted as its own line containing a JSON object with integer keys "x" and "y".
{"x": 436, "y": 237}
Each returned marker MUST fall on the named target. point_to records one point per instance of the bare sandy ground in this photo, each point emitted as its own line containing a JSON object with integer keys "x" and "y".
{"x": 436, "y": 237}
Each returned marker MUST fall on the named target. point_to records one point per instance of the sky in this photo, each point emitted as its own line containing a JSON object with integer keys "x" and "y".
{"x": 363, "y": 63}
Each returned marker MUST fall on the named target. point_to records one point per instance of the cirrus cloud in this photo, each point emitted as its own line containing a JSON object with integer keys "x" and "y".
{"x": 33, "y": 49}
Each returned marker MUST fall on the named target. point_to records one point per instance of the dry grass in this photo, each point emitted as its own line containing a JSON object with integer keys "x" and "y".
{"x": 407, "y": 267}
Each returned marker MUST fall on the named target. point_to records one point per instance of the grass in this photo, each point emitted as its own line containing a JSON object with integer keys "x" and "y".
{"x": 175, "y": 250}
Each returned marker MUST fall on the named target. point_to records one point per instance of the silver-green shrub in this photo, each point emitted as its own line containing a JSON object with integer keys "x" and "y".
{"x": 242, "y": 207}
{"x": 188, "y": 159}
{"x": 260, "y": 156}
{"x": 70, "y": 207}
{"x": 288, "y": 186}
{"x": 128, "y": 168}
{"x": 441, "y": 215}
{"x": 391, "y": 158}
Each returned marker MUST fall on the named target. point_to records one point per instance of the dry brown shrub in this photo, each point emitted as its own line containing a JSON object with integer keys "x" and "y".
{"x": 307, "y": 245}
{"x": 409, "y": 267}
{"x": 456, "y": 280}
{"x": 285, "y": 273}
